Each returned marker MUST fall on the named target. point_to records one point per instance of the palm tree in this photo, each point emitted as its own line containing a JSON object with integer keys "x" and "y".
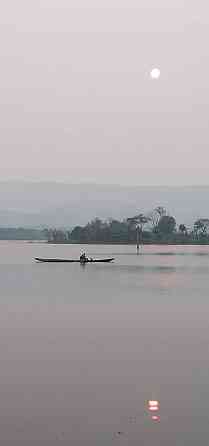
{"x": 138, "y": 221}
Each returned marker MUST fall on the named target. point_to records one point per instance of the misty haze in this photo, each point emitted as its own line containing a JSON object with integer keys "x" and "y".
{"x": 66, "y": 205}
{"x": 77, "y": 101}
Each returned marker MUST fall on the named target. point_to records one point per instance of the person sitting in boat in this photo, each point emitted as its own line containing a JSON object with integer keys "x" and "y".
{"x": 83, "y": 257}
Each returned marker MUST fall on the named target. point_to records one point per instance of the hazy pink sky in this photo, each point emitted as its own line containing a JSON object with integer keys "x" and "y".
{"x": 77, "y": 102}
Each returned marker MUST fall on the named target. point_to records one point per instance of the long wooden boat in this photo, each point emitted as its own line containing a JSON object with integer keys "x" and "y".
{"x": 39, "y": 259}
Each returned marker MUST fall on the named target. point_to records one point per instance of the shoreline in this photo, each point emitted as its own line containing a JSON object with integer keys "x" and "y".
{"x": 170, "y": 243}
{"x": 153, "y": 243}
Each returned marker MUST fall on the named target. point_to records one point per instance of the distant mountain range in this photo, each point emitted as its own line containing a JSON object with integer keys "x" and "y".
{"x": 40, "y": 204}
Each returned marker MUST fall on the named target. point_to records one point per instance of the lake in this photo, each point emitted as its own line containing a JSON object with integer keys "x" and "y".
{"x": 84, "y": 348}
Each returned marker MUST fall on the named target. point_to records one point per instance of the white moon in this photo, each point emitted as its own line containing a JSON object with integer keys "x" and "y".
{"x": 155, "y": 73}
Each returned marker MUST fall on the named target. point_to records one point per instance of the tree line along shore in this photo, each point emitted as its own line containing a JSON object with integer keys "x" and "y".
{"x": 155, "y": 227}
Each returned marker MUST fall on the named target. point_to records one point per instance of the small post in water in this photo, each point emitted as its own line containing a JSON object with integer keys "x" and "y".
{"x": 137, "y": 239}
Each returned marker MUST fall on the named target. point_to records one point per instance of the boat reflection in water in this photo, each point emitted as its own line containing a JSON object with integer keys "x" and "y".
{"x": 154, "y": 410}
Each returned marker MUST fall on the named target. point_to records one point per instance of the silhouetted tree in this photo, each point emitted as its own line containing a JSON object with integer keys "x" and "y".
{"x": 155, "y": 215}
{"x": 166, "y": 225}
{"x": 201, "y": 227}
{"x": 76, "y": 234}
{"x": 183, "y": 229}
{"x": 138, "y": 222}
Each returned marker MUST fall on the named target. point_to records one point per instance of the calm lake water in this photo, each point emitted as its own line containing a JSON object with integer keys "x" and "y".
{"x": 83, "y": 349}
